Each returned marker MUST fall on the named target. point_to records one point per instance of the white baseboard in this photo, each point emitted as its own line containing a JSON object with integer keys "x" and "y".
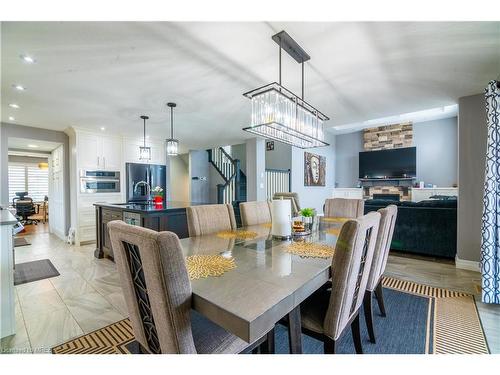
{"x": 467, "y": 264}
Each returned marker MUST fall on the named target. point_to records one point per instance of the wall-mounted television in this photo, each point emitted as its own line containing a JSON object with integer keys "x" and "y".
{"x": 393, "y": 163}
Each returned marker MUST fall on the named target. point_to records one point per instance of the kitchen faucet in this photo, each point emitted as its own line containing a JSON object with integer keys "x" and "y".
{"x": 148, "y": 187}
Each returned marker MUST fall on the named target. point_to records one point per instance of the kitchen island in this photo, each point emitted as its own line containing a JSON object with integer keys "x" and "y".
{"x": 168, "y": 216}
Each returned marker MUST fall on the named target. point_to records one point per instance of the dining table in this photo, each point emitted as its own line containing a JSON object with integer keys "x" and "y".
{"x": 267, "y": 284}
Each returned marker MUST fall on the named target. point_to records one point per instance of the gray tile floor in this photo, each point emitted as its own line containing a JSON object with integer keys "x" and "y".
{"x": 87, "y": 295}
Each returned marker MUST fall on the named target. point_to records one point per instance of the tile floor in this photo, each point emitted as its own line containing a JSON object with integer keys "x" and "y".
{"x": 87, "y": 295}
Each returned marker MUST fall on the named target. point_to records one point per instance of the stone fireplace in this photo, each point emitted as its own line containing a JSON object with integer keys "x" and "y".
{"x": 383, "y": 138}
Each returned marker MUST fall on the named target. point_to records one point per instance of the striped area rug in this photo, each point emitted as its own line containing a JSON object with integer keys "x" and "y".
{"x": 455, "y": 329}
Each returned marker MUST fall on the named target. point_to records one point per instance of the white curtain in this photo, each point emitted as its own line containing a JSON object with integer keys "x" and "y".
{"x": 490, "y": 231}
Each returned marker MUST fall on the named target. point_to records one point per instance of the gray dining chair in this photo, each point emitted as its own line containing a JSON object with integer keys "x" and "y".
{"x": 254, "y": 213}
{"x": 157, "y": 292}
{"x": 210, "y": 218}
{"x": 382, "y": 247}
{"x": 341, "y": 207}
{"x": 328, "y": 312}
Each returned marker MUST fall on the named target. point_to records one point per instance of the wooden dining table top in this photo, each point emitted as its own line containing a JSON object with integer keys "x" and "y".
{"x": 266, "y": 284}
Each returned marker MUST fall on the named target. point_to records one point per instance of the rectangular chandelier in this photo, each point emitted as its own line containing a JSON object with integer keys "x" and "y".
{"x": 279, "y": 114}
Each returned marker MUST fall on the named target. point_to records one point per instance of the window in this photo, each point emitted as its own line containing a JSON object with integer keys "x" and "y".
{"x": 30, "y": 178}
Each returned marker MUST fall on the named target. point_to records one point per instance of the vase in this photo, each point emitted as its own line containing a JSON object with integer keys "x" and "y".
{"x": 158, "y": 199}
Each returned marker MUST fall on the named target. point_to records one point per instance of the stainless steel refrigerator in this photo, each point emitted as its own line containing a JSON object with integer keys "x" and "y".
{"x": 142, "y": 179}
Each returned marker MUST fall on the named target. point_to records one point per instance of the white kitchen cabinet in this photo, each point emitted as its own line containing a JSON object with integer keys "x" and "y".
{"x": 420, "y": 194}
{"x": 111, "y": 153}
{"x": 98, "y": 152}
{"x": 88, "y": 151}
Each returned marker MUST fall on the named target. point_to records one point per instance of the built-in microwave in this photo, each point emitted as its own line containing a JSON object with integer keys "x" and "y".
{"x": 93, "y": 182}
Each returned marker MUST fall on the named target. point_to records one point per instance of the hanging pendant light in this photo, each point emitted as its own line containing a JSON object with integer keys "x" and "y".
{"x": 172, "y": 144}
{"x": 144, "y": 152}
{"x": 279, "y": 114}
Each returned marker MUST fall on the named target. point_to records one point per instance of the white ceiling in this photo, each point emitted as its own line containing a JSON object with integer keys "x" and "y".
{"x": 31, "y": 145}
{"x": 106, "y": 74}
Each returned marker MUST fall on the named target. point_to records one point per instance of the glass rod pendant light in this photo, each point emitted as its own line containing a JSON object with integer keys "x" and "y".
{"x": 279, "y": 114}
{"x": 144, "y": 152}
{"x": 172, "y": 144}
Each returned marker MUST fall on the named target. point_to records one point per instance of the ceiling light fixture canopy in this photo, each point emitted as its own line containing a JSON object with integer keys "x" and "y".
{"x": 172, "y": 144}
{"x": 144, "y": 152}
{"x": 281, "y": 115}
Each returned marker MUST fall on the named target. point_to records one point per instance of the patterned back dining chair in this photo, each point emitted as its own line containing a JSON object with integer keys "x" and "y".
{"x": 341, "y": 207}
{"x": 157, "y": 292}
{"x": 254, "y": 213}
{"x": 382, "y": 247}
{"x": 211, "y": 218}
{"x": 327, "y": 313}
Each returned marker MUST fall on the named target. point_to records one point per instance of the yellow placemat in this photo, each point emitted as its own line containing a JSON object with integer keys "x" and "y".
{"x": 267, "y": 225}
{"x": 200, "y": 266}
{"x": 310, "y": 249}
{"x": 335, "y": 219}
{"x": 334, "y": 231}
{"x": 240, "y": 234}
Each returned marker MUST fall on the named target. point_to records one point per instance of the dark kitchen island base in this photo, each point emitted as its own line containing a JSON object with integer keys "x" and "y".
{"x": 169, "y": 216}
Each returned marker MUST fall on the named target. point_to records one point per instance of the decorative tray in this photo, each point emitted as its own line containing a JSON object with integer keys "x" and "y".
{"x": 306, "y": 232}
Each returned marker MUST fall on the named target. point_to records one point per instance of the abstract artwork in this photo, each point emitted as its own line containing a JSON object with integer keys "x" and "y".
{"x": 314, "y": 169}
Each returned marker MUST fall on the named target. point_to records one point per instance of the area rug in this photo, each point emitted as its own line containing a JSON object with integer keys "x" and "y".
{"x": 20, "y": 241}
{"x": 420, "y": 320}
{"x": 34, "y": 271}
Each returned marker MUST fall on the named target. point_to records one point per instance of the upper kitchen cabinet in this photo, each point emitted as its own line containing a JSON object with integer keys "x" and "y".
{"x": 98, "y": 152}
{"x": 131, "y": 151}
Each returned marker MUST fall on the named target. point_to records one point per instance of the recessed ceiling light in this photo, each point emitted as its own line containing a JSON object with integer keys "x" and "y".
{"x": 11, "y": 118}
{"x": 28, "y": 59}
{"x": 19, "y": 87}
{"x": 103, "y": 128}
{"x": 14, "y": 105}
{"x": 32, "y": 146}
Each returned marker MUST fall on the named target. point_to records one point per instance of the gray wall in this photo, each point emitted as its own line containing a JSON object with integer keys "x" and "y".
{"x": 256, "y": 166}
{"x": 348, "y": 147}
{"x": 472, "y": 139}
{"x": 437, "y": 155}
{"x": 239, "y": 152}
{"x": 17, "y": 131}
{"x": 199, "y": 191}
{"x": 314, "y": 196}
{"x": 280, "y": 157}
{"x": 437, "y": 151}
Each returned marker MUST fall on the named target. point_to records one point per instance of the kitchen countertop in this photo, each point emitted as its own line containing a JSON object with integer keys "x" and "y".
{"x": 149, "y": 208}
{"x": 6, "y": 218}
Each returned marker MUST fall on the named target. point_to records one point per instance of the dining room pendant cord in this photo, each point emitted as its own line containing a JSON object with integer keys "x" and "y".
{"x": 144, "y": 151}
{"x": 172, "y": 143}
{"x": 281, "y": 115}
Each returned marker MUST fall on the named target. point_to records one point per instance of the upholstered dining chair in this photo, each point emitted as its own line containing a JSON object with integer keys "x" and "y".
{"x": 211, "y": 218}
{"x": 341, "y": 207}
{"x": 382, "y": 247}
{"x": 294, "y": 197}
{"x": 254, "y": 213}
{"x": 157, "y": 292}
{"x": 328, "y": 312}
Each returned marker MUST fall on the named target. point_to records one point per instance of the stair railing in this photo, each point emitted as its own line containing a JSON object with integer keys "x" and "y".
{"x": 277, "y": 181}
{"x": 229, "y": 169}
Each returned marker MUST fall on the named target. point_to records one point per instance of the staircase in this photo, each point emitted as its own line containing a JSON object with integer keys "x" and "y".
{"x": 234, "y": 188}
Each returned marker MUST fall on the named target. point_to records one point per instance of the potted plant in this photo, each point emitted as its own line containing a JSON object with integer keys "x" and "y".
{"x": 157, "y": 195}
{"x": 308, "y": 215}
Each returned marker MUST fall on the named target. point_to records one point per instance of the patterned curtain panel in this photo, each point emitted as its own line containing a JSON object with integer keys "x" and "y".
{"x": 490, "y": 242}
